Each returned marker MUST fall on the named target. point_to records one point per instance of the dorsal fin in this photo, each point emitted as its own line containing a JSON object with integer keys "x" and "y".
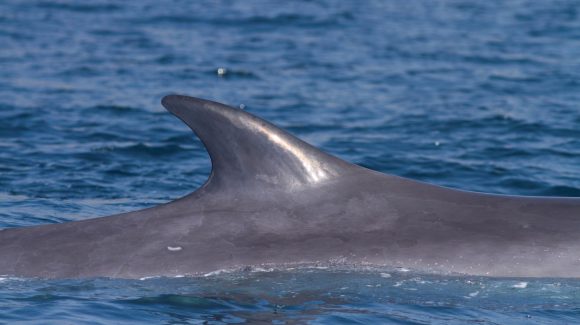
{"x": 245, "y": 149}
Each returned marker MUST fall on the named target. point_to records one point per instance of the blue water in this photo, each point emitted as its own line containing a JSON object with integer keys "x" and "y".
{"x": 482, "y": 96}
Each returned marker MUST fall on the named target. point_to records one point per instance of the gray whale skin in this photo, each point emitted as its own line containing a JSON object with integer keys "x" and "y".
{"x": 274, "y": 199}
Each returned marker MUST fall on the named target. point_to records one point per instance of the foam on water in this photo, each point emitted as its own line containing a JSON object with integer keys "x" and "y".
{"x": 298, "y": 295}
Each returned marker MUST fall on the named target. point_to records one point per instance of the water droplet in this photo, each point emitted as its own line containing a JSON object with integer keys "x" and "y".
{"x": 174, "y": 248}
{"x": 242, "y": 106}
{"x": 221, "y": 71}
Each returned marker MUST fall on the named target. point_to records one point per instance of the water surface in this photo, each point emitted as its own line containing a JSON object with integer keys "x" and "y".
{"x": 480, "y": 96}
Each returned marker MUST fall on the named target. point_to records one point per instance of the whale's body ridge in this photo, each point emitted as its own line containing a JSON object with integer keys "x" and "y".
{"x": 272, "y": 198}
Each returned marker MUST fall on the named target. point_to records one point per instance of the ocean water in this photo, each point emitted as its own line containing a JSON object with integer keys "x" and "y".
{"x": 477, "y": 95}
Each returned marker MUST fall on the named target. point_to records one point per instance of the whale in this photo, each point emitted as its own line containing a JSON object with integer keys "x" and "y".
{"x": 273, "y": 199}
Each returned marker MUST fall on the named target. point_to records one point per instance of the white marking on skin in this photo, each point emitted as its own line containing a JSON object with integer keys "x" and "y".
{"x": 174, "y": 248}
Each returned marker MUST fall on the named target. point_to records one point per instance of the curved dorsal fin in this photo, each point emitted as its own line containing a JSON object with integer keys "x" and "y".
{"x": 245, "y": 149}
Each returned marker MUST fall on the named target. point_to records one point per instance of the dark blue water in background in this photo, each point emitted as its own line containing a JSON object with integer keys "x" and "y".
{"x": 482, "y": 96}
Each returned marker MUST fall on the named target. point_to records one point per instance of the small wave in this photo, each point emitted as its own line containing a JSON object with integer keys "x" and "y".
{"x": 560, "y": 190}
{"x": 81, "y": 71}
{"x": 142, "y": 149}
{"x": 280, "y": 20}
{"x": 79, "y": 7}
{"x": 115, "y": 109}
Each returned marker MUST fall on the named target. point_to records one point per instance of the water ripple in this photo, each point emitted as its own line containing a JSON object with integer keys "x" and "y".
{"x": 473, "y": 95}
